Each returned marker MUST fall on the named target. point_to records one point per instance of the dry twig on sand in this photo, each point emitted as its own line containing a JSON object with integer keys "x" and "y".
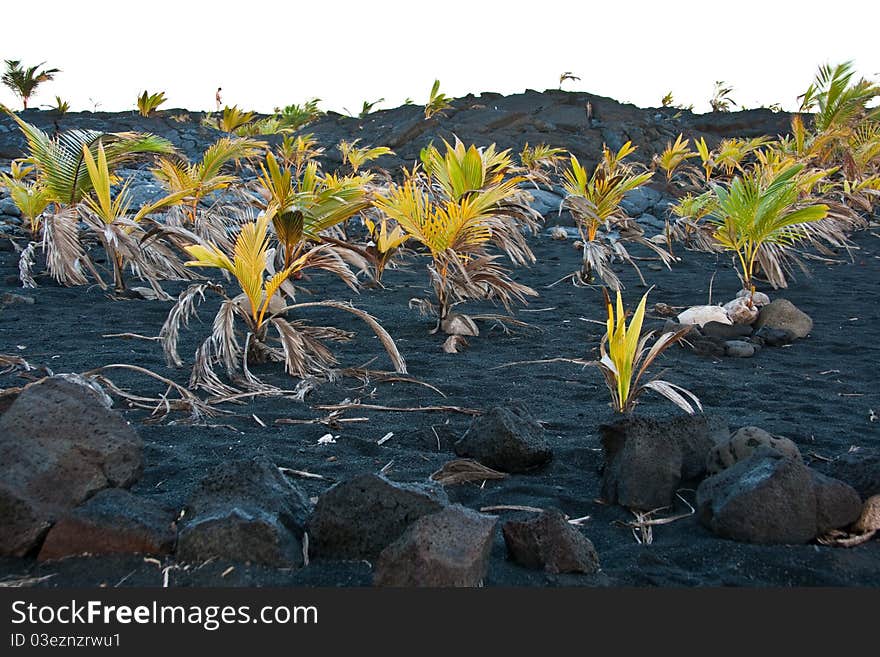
{"x": 398, "y": 409}
{"x": 161, "y": 406}
{"x": 460, "y": 471}
{"x": 642, "y": 526}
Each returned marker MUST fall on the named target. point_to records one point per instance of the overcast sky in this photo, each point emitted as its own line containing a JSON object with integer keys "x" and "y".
{"x": 267, "y": 53}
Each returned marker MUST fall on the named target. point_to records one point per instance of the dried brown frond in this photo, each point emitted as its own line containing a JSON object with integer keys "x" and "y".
{"x": 26, "y": 264}
{"x": 461, "y": 471}
{"x": 384, "y": 337}
{"x": 160, "y": 406}
{"x": 11, "y": 363}
{"x": 481, "y": 277}
{"x": 65, "y": 256}
{"x": 180, "y": 314}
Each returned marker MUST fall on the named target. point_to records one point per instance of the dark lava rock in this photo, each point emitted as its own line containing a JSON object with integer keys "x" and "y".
{"x": 721, "y": 331}
{"x": 59, "y": 443}
{"x": 112, "y": 522}
{"x": 448, "y": 548}
{"x": 245, "y": 510}
{"x": 860, "y": 469}
{"x": 837, "y": 504}
{"x": 10, "y": 299}
{"x": 711, "y": 347}
{"x": 766, "y": 498}
{"x": 647, "y": 458}
{"x": 550, "y": 543}
{"x": 671, "y": 326}
{"x": 358, "y": 518}
{"x": 506, "y": 438}
{"x": 743, "y": 444}
{"x": 783, "y": 315}
{"x": 773, "y": 337}
{"x": 739, "y": 349}
{"x": 642, "y": 467}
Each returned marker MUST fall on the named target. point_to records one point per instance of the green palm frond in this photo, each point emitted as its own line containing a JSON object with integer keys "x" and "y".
{"x": 59, "y": 160}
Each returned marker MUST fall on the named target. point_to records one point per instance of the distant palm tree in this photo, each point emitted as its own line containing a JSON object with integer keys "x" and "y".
{"x": 24, "y": 81}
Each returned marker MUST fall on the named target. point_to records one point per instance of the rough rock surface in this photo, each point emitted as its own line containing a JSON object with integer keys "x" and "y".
{"x": 112, "y": 522}
{"x": 506, "y": 438}
{"x": 783, "y": 315}
{"x": 766, "y": 498}
{"x": 245, "y": 510}
{"x": 550, "y": 543}
{"x": 860, "y": 469}
{"x": 59, "y": 444}
{"x": 837, "y": 504}
{"x": 448, "y": 548}
{"x": 743, "y": 443}
{"x": 646, "y": 459}
{"x": 358, "y": 518}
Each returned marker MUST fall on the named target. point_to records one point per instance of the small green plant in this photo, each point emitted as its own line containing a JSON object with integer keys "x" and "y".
{"x": 368, "y": 106}
{"x": 296, "y": 116}
{"x": 539, "y": 161}
{"x": 625, "y": 358}
{"x": 437, "y": 102}
{"x": 61, "y": 106}
{"x": 594, "y": 201}
{"x": 568, "y": 75}
{"x": 30, "y": 198}
{"x": 148, "y": 103}
{"x": 673, "y": 156}
{"x": 23, "y": 82}
{"x": 356, "y": 156}
{"x": 667, "y": 100}
{"x": 721, "y": 100}
{"x": 261, "y": 308}
{"x": 756, "y": 218}
{"x": 232, "y": 118}
{"x": 298, "y": 151}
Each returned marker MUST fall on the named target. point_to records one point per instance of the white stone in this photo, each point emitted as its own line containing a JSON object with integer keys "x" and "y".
{"x": 701, "y": 315}
{"x": 740, "y": 312}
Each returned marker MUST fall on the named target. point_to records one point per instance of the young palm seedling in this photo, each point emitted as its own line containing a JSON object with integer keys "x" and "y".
{"x": 594, "y": 201}
{"x": 23, "y": 82}
{"x": 538, "y": 162}
{"x": 625, "y": 357}
{"x": 119, "y": 231}
{"x": 457, "y": 210}
{"x": 31, "y": 199}
{"x": 192, "y": 182}
{"x": 759, "y": 220}
{"x": 437, "y": 102}
{"x": 308, "y": 208}
{"x": 266, "y": 333}
{"x": 61, "y": 174}
{"x": 357, "y": 156}
{"x": 148, "y": 103}
{"x": 673, "y": 156}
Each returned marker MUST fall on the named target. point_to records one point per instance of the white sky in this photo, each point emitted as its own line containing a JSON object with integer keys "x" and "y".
{"x": 270, "y": 53}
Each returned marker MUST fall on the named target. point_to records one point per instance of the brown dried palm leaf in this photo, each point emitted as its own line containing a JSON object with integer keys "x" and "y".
{"x": 480, "y": 277}
{"x": 161, "y": 406}
{"x": 10, "y": 363}
{"x": 304, "y": 355}
{"x": 203, "y": 375}
{"x": 596, "y": 261}
{"x": 26, "y": 264}
{"x": 384, "y": 337}
{"x": 181, "y": 313}
{"x": 462, "y": 471}
{"x": 65, "y": 256}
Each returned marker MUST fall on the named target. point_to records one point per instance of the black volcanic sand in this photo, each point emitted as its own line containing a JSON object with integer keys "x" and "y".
{"x": 818, "y": 392}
